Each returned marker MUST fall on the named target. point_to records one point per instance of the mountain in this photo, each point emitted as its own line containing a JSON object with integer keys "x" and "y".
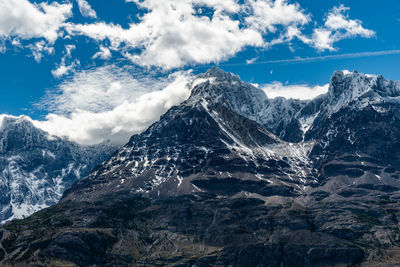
{"x": 232, "y": 178}
{"x": 276, "y": 115}
{"x": 36, "y": 168}
{"x": 203, "y": 135}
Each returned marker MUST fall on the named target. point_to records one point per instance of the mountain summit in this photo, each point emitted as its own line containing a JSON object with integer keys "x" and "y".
{"x": 232, "y": 178}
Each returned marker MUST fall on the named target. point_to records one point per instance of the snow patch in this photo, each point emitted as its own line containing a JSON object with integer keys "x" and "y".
{"x": 179, "y": 180}
{"x": 198, "y": 81}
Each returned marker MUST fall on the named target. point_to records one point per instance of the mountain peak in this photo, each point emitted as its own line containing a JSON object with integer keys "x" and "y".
{"x": 342, "y": 75}
{"x": 218, "y": 86}
{"x": 216, "y": 72}
{"x": 7, "y": 121}
{"x": 214, "y": 84}
{"x": 219, "y": 75}
{"x": 347, "y": 86}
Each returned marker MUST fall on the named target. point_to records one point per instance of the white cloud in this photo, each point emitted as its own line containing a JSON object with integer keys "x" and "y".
{"x": 99, "y": 89}
{"x": 230, "y": 6}
{"x": 338, "y": 26}
{"x": 64, "y": 68}
{"x": 298, "y": 60}
{"x": 108, "y": 103}
{"x": 69, "y": 49}
{"x": 303, "y": 92}
{"x": 251, "y": 60}
{"x": 322, "y": 39}
{"x": 174, "y": 34}
{"x": 268, "y": 14}
{"x": 104, "y": 53}
{"x": 85, "y": 9}
{"x": 39, "y": 48}
{"x": 22, "y": 19}
{"x": 338, "y": 20}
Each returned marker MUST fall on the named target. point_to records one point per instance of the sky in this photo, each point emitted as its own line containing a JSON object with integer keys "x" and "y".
{"x": 96, "y": 70}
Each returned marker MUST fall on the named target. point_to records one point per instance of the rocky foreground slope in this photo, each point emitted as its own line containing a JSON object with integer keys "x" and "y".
{"x": 36, "y": 168}
{"x": 232, "y": 178}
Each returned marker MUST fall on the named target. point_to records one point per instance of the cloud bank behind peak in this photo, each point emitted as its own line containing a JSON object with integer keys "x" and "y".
{"x": 108, "y": 103}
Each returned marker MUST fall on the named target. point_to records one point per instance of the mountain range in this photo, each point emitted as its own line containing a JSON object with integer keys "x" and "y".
{"x": 36, "y": 167}
{"x": 233, "y": 178}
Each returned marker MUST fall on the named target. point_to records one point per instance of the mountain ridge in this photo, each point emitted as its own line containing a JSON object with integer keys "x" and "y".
{"x": 207, "y": 185}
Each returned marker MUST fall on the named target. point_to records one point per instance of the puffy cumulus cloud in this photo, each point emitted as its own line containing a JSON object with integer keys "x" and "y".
{"x": 107, "y": 103}
{"x": 338, "y": 26}
{"x": 338, "y": 20}
{"x": 22, "y": 19}
{"x": 303, "y": 92}
{"x": 85, "y": 9}
{"x": 172, "y": 34}
{"x": 268, "y": 14}
{"x": 219, "y": 6}
{"x": 322, "y": 39}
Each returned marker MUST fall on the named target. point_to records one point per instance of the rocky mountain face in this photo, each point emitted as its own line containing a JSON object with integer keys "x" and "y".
{"x": 36, "y": 168}
{"x": 276, "y": 115}
{"x": 232, "y": 178}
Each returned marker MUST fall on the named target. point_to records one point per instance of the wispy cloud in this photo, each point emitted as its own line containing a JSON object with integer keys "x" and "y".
{"x": 299, "y": 60}
{"x": 63, "y": 68}
{"x": 109, "y": 103}
{"x": 85, "y": 9}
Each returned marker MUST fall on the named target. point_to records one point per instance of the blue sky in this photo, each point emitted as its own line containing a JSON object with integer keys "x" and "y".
{"x": 62, "y": 61}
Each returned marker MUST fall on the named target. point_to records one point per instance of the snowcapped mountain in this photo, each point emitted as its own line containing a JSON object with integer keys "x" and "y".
{"x": 36, "y": 168}
{"x": 205, "y": 135}
{"x": 232, "y": 178}
{"x": 276, "y": 115}
{"x": 355, "y": 91}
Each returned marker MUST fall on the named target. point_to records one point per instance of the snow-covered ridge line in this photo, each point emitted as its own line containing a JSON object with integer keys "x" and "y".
{"x": 346, "y": 87}
{"x": 5, "y": 117}
{"x": 7, "y": 120}
{"x": 217, "y": 77}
